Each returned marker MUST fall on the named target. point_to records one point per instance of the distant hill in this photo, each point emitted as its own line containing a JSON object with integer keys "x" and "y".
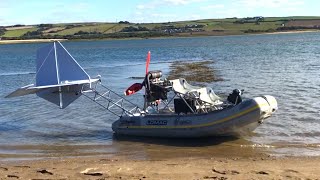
{"x": 125, "y": 29}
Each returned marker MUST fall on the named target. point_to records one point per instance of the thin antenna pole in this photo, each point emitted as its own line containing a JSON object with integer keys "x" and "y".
{"x": 58, "y": 76}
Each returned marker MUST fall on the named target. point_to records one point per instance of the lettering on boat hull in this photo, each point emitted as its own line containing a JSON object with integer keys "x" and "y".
{"x": 157, "y": 122}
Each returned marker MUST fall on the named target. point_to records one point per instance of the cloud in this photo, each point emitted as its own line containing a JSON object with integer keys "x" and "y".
{"x": 291, "y": 9}
{"x": 158, "y": 9}
{"x": 140, "y": 6}
{"x": 227, "y": 13}
{"x": 81, "y": 7}
{"x": 61, "y": 13}
{"x": 195, "y": 16}
{"x": 163, "y": 15}
{"x": 212, "y": 7}
{"x": 268, "y": 3}
{"x": 2, "y": 22}
{"x": 268, "y": 7}
{"x": 157, "y": 3}
{"x": 138, "y": 13}
{"x": 50, "y": 12}
{"x": 4, "y": 4}
{"x": 4, "y": 8}
{"x": 153, "y": 17}
{"x": 180, "y": 2}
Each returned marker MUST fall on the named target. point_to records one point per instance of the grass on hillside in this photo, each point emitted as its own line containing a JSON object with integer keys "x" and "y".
{"x": 102, "y": 28}
{"x": 246, "y": 26}
{"x": 291, "y": 18}
{"x": 226, "y": 26}
{"x": 18, "y": 32}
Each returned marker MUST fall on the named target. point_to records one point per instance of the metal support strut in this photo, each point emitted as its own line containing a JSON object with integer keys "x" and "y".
{"x": 113, "y": 102}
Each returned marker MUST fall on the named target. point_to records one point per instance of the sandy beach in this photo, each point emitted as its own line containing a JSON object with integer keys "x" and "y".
{"x": 29, "y": 41}
{"x": 292, "y": 32}
{"x": 101, "y": 167}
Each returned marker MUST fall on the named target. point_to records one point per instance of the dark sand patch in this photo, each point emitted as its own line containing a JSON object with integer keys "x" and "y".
{"x": 43, "y": 171}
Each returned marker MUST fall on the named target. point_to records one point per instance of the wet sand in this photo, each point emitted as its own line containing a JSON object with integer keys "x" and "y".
{"x": 149, "y": 158}
{"x": 155, "y": 158}
{"x": 101, "y": 167}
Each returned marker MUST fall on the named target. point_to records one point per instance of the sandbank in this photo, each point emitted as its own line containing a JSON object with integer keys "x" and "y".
{"x": 29, "y": 41}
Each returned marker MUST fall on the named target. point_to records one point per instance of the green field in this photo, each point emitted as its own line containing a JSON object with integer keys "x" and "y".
{"x": 102, "y": 28}
{"x": 226, "y": 26}
{"x": 18, "y": 32}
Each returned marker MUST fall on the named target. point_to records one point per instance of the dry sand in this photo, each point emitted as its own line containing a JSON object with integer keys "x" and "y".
{"x": 293, "y": 32}
{"x": 29, "y": 41}
{"x": 100, "y": 167}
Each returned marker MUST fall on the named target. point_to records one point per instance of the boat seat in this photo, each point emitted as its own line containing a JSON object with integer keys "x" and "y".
{"x": 182, "y": 86}
{"x": 205, "y": 94}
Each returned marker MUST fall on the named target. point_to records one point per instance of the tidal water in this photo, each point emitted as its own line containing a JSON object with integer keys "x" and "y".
{"x": 283, "y": 65}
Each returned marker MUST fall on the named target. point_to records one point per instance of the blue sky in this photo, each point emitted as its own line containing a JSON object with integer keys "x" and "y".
{"x": 64, "y": 11}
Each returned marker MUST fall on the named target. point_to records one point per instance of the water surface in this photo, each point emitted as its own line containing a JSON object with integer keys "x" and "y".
{"x": 284, "y": 65}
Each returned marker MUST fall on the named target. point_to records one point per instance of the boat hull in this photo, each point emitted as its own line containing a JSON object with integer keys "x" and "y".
{"x": 235, "y": 120}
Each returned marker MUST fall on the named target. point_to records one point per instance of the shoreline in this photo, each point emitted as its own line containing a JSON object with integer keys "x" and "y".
{"x": 164, "y": 37}
{"x": 292, "y": 32}
{"x": 120, "y": 167}
{"x": 159, "y": 161}
{"x": 29, "y": 41}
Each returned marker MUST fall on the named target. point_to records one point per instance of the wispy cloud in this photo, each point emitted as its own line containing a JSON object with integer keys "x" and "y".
{"x": 158, "y": 8}
{"x": 163, "y": 15}
{"x": 268, "y": 3}
{"x": 158, "y": 3}
{"x": 58, "y": 11}
{"x": 267, "y": 7}
{"x": 227, "y": 13}
{"x": 153, "y": 17}
{"x": 212, "y": 7}
{"x": 64, "y": 13}
{"x": 49, "y": 12}
{"x": 195, "y": 16}
{"x": 2, "y": 22}
{"x": 180, "y": 2}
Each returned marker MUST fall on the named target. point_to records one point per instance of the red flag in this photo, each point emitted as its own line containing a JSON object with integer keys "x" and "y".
{"x": 133, "y": 89}
{"x": 148, "y": 62}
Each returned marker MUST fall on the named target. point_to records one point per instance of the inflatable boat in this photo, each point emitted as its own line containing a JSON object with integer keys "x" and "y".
{"x": 195, "y": 112}
{"x": 172, "y": 108}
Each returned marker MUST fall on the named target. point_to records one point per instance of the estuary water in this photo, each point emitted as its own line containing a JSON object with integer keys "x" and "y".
{"x": 283, "y": 65}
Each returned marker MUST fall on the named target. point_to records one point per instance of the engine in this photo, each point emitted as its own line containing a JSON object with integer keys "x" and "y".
{"x": 156, "y": 88}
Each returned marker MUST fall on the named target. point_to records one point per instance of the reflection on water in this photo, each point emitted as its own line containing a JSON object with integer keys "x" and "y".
{"x": 136, "y": 148}
{"x": 285, "y": 66}
{"x": 161, "y": 148}
{"x": 177, "y": 142}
